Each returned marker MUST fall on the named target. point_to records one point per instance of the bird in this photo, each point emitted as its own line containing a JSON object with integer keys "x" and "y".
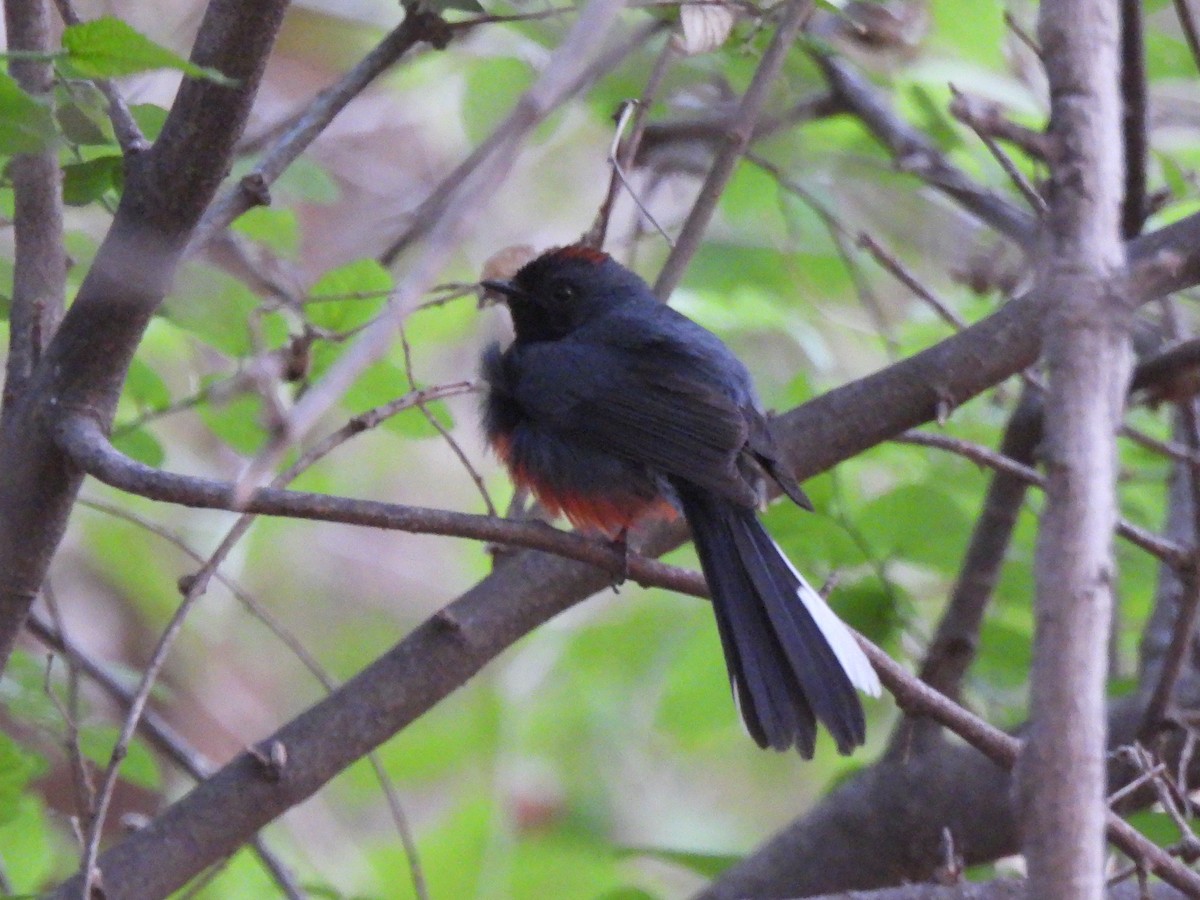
{"x": 612, "y": 409}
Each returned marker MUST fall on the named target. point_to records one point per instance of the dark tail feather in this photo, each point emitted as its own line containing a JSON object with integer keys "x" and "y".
{"x": 791, "y": 660}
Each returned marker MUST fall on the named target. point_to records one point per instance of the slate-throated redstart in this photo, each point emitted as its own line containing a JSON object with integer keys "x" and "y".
{"x": 612, "y": 407}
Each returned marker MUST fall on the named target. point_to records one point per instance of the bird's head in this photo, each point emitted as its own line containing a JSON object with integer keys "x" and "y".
{"x": 563, "y": 289}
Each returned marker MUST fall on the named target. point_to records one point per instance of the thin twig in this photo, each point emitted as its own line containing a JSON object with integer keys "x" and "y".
{"x": 795, "y": 13}
{"x": 158, "y": 732}
{"x": 843, "y": 241}
{"x": 85, "y": 788}
{"x": 914, "y": 152}
{"x": 194, "y": 586}
{"x": 455, "y": 447}
{"x": 125, "y": 127}
{"x": 901, "y": 273}
{"x": 953, "y": 647}
{"x": 622, "y": 156}
{"x": 1188, "y": 23}
{"x": 1157, "y": 546}
{"x": 958, "y": 107}
{"x": 418, "y": 26}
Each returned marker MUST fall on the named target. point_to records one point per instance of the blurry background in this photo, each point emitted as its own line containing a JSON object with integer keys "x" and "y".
{"x": 602, "y": 755}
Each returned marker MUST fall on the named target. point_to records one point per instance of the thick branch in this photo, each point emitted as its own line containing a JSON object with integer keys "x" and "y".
{"x": 167, "y": 189}
{"x": 40, "y": 271}
{"x": 1089, "y": 355}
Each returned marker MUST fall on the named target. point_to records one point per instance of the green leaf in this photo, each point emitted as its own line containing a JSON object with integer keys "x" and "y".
{"x": 142, "y": 446}
{"x": 412, "y": 423}
{"x": 29, "y": 847}
{"x": 17, "y": 768}
{"x": 82, "y": 122}
{"x": 87, "y": 181}
{"x": 356, "y": 293}
{"x": 150, "y": 118}
{"x": 916, "y": 522}
{"x": 108, "y": 48}
{"x": 26, "y": 126}
{"x": 144, "y": 386}
{"x": 217, "y": 307}
{"x": 237, "y": 423}
{"x": 137, "y": 768}
{"x": 275, "y": 228}
{"x": 708, "y": 864}
{"x": 492, "y": 88}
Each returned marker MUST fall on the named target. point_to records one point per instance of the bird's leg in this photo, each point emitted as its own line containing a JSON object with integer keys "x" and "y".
{"x": 621, "y": 544}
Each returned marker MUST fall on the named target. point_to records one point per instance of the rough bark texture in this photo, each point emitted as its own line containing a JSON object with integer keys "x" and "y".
{"x": 1088, "y": 354}
{"x": 167, "y": 189}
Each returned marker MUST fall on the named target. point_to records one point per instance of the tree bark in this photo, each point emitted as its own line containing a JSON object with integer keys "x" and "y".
{"x": 1061, "y": 777}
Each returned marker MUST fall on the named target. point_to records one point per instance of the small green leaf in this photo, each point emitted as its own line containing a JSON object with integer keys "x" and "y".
{"x": 144, "y": 386}
{"x": 238, "y": 423}
{"x": 356, "y": 292}
{"x": 108, "y": 47}
{"x": 26, "y": 126}
{"x": 150, "y": 118}
{"x": 141, "y": 445}
{"x": 217, "y": 308}
{"x": 412, "y": 423}
{"x": 83, "y": 124}
{"x": 492, "y": 88}
{"x": 275, "y": 228}
{"x": 708, "y": 864}
{"x": 87, "y": 181}
{"x": 17, "y": 767}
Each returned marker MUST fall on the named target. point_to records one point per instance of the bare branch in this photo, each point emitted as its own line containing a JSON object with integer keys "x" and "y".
{"x": 1167, "y": 551}
{"x": 1061, "y": 783}
{"x": 1135, "y": 113}
{"x": 915, "y": 153}
{"x": 953, "y": 647}
{"x": 40, "y": 271}
{"x": 737, "y": 138}
{"x": 159, "y": 733}
{"x": 419, "y": 26}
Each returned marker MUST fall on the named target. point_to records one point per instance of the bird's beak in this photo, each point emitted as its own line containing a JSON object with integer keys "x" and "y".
{"x": 505, "y": 289}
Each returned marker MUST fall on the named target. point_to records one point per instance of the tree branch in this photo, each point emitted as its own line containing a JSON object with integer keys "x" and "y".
{"x": 953, "y": 647}
{"x": 40, "y": 270}
{"x": 167, "y": 189}
{"x": 915, "y": 153}
{"x": 736, "y": 139}
{"x": 1061, "y": 779}
{"x": 418, "y": 26}
{"x": 528, "y": 588}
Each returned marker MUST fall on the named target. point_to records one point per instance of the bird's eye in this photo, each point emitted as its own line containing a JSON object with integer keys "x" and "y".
{"x": 564, "y": 293}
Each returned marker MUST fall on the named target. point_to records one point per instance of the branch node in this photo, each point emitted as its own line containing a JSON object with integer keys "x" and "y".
{"x": 254, "y": 186}
{"x": 445, "y": 620}
{"x": 272, "y": 760}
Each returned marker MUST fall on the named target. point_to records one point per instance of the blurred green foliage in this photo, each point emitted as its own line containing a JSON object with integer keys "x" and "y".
{"x": 601, "y": 757}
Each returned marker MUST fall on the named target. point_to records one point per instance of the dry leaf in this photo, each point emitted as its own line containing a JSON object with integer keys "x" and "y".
{"x": 704, "y": 27}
